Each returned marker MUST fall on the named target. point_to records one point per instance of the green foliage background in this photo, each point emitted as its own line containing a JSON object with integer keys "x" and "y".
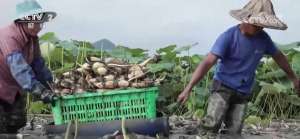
{"x": 273, "y": 94}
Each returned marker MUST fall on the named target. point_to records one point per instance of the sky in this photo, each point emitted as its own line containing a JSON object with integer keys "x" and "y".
{"x": 152, "y": 24}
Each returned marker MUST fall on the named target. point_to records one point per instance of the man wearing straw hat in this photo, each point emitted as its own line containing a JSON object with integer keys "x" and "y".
{"x": 22, "y": 68}
{"x": 237, "y": 53}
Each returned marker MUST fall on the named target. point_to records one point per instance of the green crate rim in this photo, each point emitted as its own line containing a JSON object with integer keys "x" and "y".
{"x": 108, "y": 92}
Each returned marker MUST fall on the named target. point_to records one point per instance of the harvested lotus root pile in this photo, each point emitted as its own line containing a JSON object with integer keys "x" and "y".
{"x": 97, "y": 74}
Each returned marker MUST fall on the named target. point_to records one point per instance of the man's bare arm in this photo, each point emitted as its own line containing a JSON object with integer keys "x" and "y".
{"x": 199, "y": 73}
{"x": 202, "y": 69}
{"x": 283, "y": 63}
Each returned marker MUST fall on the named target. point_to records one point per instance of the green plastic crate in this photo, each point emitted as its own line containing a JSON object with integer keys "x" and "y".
{"x": 106, "y": 105}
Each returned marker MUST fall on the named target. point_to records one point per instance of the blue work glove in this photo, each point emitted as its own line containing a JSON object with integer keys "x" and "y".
{"x": 24, "y": 75}
{"x": 46, "y": 95}
{"x": 42, "y": 72}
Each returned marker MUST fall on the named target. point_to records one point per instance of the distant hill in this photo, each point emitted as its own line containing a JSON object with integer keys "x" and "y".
{"x": 105, "y": 43}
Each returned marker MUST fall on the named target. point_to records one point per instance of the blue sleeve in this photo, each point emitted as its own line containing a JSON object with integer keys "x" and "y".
{"x": 271, "y": 48}
{"x": 21, "y": 71}
{"x": 41, "y": 71}
{"x": 220, "y": 46}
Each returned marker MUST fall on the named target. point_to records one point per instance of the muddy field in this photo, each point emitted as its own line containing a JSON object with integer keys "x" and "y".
{"x": 277, "y": 129}
{"x": 182, "y": 128}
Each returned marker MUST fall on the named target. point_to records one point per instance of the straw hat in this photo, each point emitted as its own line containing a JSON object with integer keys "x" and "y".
{"x": 32, "y": 7}
{"x": 260, "y": 13}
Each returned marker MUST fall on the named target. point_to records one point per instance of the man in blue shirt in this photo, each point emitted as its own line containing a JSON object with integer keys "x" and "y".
{"x": 237, "y": 53}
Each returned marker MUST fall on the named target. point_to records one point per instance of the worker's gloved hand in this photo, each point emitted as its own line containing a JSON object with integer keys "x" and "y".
{"x": 46, "y": 95}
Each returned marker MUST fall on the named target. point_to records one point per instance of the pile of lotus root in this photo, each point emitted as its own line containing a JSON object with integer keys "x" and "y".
{"x": 111, "y": 73}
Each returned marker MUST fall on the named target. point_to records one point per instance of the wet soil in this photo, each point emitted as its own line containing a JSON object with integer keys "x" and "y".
{"x": 182, "y": 128}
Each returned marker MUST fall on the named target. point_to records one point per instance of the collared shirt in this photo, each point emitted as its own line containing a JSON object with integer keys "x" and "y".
{"x": 13, "y": 39}
{"x": 239, "y": 57}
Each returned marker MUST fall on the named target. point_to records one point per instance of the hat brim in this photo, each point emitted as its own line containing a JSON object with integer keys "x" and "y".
{"x": 48, "y": 15}
{"x": 262, "y": 20}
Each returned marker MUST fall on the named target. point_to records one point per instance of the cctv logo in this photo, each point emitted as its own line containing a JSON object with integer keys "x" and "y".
{"x": 40, "y": 17}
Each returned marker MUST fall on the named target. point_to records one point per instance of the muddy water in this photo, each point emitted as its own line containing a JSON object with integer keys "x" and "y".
{"x": 262, "y": 134}
{"x": 177, "y": 136}
{"x": 184, "y": 129}
{"x": 267, "y": 136}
